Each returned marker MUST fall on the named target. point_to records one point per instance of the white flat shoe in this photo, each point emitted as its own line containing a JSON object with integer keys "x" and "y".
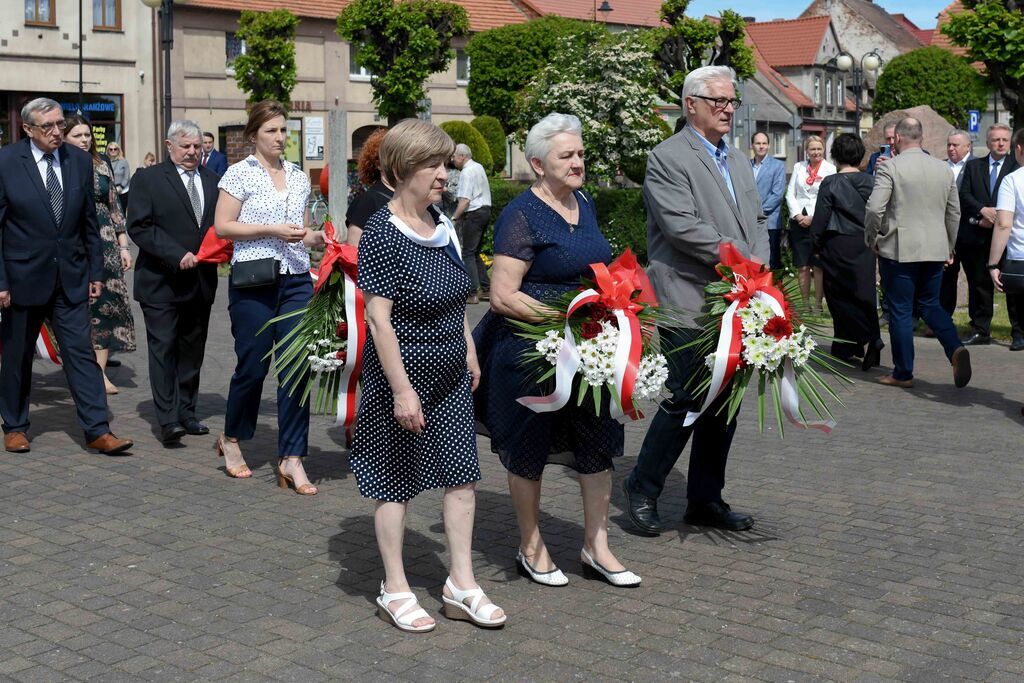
{"x": 554, "y": 577}
{"x": 405, "y": 615}
{"x": 592, "y": 569}
{"x": 455, "y": 607}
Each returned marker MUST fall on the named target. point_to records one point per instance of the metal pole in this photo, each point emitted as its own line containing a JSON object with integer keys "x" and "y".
{"x": 857, "y": 89}
{"x": 167, "y": 27}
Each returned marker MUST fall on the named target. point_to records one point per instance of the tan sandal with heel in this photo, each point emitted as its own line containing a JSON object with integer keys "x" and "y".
{"x": 284, "y": 481}
{"x": 242, "y": 472}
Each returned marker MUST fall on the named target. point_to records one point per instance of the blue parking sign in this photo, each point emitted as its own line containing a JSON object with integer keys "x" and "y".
{"x": 973, "y": 119}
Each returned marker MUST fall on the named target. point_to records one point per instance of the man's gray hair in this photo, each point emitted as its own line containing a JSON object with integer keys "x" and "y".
{"x": 538, "y": 140}
{"x": 184, "y": 127}
{"x": 464, "y": 150}
{"x": 40, "y": 105}
{"x": 697, "y": 81}
{"x": 958, "y": 131}
{"x": 999, "y": 126}
{"x": 910, "y": 128}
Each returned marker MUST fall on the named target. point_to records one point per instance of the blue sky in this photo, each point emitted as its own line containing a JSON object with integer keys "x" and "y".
{"x": 921, "y": 12}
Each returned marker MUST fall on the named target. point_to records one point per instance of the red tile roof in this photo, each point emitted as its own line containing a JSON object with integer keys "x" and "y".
{"x": 483, "y": 14}
{"x": 940, "y": 39}
{"x": 625, "y": 12}
{"x": 792, "y": 42}
{"x": 922, "y": 34}
{"x": 783, "y": 84}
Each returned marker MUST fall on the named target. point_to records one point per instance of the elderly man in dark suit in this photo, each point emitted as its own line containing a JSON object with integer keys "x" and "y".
{"x": 211, "y": 158}
{"x": 171, "y": 210}
{"x": 699, "y": 193}
{"x": 50, "y": 265}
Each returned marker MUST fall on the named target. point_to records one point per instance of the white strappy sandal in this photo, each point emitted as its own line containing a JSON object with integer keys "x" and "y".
{"x": 455, "y": 607}
{"x": 405, "y": 615}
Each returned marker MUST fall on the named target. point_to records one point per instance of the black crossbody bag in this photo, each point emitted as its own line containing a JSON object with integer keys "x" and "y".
{"x": 1012, "y": 276}
{"x": 258, "y": 273}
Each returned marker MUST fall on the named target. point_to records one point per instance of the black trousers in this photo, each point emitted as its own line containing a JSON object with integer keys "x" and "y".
{"x": 471, "y": 232}
{"x": 950, "y": 283}
{"x": 176, "y": 335}
{"x": 980, "y": 290}
{"x": 19, "y": 330}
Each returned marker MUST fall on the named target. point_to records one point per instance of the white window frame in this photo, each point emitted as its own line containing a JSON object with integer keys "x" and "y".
{"x": 355, "y": 72}
{"x": 779, "y": 143}
{"x": 460, "y": 55}
{"x": 817, "y": 90}
{"x": 828, "y": 92}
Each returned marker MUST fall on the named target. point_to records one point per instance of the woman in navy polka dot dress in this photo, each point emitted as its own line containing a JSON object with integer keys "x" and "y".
{"x": 415, "y": 426}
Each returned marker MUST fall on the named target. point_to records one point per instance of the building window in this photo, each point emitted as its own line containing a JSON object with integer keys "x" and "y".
{"x": 233, "y": 46}
{"x": 817, "y": 89}
{"x": 828, "y": 92}
{"x": 356, "y": 72}
{"x": 841, "y": 93}
{"x": 40, "y": 13}
{"x": 461, "y": 67}
{"x": 779, "y": 144}
{"x": 106, "y": 15}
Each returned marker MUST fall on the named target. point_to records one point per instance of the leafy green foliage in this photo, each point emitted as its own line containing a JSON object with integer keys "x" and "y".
{"x": 635, "y": 169}
{"x": 931, "y": 76}
{"x": 490, "y": 128}
{"x": 993, "y": 33}
{"x": 505, "y": 59}
{"x": 462, "y": 132}
{"x": 401, "y": 44}
{"x": 267, "y": 69}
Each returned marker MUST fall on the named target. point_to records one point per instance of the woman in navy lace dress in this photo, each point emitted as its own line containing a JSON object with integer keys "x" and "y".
{"x": 544, "y": 242}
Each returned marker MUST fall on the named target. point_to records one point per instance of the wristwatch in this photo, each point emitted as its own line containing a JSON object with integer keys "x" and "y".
{"x": 993, "y": 266}
{"x": 972, "y": 221}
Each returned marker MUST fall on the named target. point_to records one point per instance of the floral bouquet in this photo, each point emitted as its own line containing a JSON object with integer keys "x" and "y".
{"x": 605, "y": 335}
{"x": 325, "y": 349}
{"x": 749, "y": 326}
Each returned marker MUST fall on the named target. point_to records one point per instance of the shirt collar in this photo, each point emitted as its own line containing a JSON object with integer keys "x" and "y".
{"x": 721, "y": 150}
{"x": 994, "y": 161}
{"x": 37, "y": 153}
{"x": 183, "y": 171}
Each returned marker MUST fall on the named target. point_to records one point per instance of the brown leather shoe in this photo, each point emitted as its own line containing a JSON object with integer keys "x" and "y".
{"x": 891, "y": 381}
{"x": 108, "y": 444}
{"x": 16, "y": 442}
{"x": 961, "y": 363}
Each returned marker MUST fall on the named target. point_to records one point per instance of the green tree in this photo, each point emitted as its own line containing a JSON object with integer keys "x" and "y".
{"x": 993, "y": 33}
{"x": 401, "y": 44}
{"x": 267, "y": 69}
{"x": 491, "y": 130}
{"x": 687, "y": 43}
{"x": 931, "y": 76}
{"x": 463, "y": 133}
{"x": 505, "y": 59}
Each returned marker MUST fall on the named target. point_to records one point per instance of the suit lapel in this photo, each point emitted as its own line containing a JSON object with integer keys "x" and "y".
{"x": 32, "y": 171}
{"x": 209, "y": 195}
{"x": 69, "y": 176}
{"x": 171, "y": 172}
{"x": 709, "y": 163}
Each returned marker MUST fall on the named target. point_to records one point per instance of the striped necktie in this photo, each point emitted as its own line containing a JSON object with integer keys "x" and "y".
{"x": 53, "y": 188}
{"x": 193, "y": 196}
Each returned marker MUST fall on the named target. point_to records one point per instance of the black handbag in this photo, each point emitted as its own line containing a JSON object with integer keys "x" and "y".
{"x": 258, "y": 273}
{"x": 1012, "y": 276}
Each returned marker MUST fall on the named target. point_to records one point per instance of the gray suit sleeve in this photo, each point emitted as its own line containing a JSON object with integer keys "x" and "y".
{"x": 668, "y": 194}
{"x": 878, "y": 202}
{"x": 952, "y": 215}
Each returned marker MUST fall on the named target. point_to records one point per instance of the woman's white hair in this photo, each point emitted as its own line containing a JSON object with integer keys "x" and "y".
{"x": 538, "y": 140}
{"x": 697, "y": 81}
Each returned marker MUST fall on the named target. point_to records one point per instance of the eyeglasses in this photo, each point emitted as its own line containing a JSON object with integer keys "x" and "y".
{"x": 47, "y": 127}
{"x": 720, "y": 103}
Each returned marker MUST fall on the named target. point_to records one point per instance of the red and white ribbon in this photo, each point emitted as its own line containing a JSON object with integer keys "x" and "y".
{"x": 355, "y": 316}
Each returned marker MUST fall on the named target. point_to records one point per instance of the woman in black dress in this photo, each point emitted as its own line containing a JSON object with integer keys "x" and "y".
{"x": 415, "y": 426}
{"x": 849, "y": 266}
{"x": 377, "y": 193}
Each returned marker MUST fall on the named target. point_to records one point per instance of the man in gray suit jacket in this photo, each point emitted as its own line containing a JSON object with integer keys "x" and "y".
{"x": 699, "y": 193}
{"x": 914, "y": 197}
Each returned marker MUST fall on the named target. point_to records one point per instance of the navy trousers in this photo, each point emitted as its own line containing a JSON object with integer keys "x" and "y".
{"x": 667, "y": 437}
{"x": 19, "y": 329}
{"x": 250, "y": 308}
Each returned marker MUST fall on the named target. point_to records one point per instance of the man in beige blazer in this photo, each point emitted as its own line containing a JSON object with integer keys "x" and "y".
{"x": 911, "y": 223}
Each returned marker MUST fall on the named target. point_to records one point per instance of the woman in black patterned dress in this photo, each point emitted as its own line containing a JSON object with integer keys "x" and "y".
{"x": 113, "y": 325}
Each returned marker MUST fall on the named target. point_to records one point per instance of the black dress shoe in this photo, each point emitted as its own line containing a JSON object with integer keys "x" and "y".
{"x": 113, "y": 363}
{"x": 642, "y": 511}
{"x": 172, "y": 433}
{"x": 1018, "y": 343}
{"x": 977, "y": 339}
{"x": 717, "y": 514}
{"x": 873, "y": 355}
{"x": 195, "y": 427}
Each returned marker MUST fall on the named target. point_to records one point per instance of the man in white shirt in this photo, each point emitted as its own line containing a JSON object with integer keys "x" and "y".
{"x": 1008, "y": 240}
{"x": 958, "y": 153}
{"x": 471, "y": 217}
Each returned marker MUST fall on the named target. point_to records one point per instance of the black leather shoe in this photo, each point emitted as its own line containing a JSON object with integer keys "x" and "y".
{"x": 873, "y": 355}
{"x": 172, "y": 433}
{"x": 195, "y": 427}
{"x": 977, "y": 339}
{"x": 1018, "y": 343}
{"x": 642, "y": 511}
{"x": 717, "y": 514}
{"x": 113, "y": 363}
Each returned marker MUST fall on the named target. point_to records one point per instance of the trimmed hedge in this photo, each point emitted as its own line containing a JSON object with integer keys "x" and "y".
{"x": 463, "y": 133}
{"x": 494, "y": 134}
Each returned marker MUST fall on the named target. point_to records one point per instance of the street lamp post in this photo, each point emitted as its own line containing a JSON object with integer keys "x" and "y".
{"x": 604, "y": 9}
{"x": 869, "y": 62}
{"x": 166, "y": 14}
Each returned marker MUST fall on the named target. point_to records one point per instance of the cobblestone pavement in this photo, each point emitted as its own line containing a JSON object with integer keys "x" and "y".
{"x": 890, "y": 550}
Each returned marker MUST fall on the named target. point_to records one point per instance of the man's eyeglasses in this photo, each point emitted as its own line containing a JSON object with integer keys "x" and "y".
{"x": 47, "y": 127}
{"x": 720, "y": 103}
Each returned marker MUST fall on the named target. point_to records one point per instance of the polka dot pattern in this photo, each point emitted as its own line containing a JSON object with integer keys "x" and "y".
{"x": 262, "y": 203}
{"x": 428, "y": 287}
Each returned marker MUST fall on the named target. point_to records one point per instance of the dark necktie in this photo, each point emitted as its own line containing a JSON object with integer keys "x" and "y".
{"x": 193, "y": 196}
{"x": 206, "y": 157}
{"x": 993, "y": 178}
{"x": 53, "y": 188}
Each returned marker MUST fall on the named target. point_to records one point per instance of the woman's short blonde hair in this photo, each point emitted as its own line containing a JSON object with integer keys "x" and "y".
{"x": 411, "y": 145}
{"x": 813, "y": 138}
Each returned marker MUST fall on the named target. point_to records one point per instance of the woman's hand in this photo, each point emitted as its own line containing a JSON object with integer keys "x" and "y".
{"x": 474, "y": 369}
{"x": 314, "y": 238}
{"x": 804, "y": 221}
{"x": 996, "y": 276}
{"x": 126, "y": 259}
{"x": 289, "y": 232}
{"x": 408, "y": 411}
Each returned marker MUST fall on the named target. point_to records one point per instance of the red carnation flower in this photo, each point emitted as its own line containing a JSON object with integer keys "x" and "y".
{"x": 778, "y": 327}
{"x": 342, "y": 330}
{"x": 590, "y": 329}
{"x": 341, "y": 355}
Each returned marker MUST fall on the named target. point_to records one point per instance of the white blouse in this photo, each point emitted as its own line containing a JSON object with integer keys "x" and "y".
{"x": 800, "y": 195}
{"x": 262, "y": 203}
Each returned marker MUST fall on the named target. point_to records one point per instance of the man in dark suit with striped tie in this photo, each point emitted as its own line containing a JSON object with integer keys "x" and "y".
{"x": 50, "y": 265}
